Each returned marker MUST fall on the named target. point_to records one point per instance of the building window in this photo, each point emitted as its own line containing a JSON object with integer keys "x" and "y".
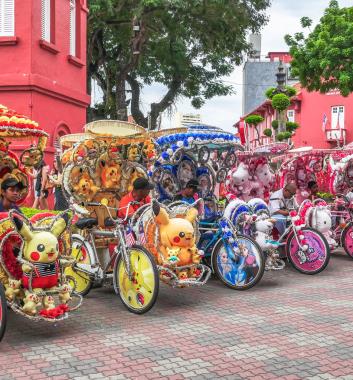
{"x": 73, "y": 28}
{"x": 337, "y": 117}
{"x": 291, "y": 115}
{"x": 48, "y": 22}
{"x": 7, "y": 18}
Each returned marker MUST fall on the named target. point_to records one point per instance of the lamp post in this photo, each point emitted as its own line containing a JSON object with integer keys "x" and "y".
{"x": 281, "y": 81}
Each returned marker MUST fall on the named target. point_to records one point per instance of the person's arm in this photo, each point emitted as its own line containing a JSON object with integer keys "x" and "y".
{"x": 276, "y": 207}
{"x": 44, "y": 178}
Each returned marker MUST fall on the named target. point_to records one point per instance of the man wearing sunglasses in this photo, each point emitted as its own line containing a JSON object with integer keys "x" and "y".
{"x": 280, "y": 204}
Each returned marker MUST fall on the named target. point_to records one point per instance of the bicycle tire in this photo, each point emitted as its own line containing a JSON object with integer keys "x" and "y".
{"x": 347, "y": 239}
{"x": 132, "y": 296}
{"x": 294, "y": 258}
{"x": 83, "y": 283}
{"x": 255, "y": 249}
{"x": 3, "y": 312}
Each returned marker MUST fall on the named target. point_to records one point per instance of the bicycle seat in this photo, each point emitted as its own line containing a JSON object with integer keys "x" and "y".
{"x": 86, "y": 223}
{"x": 109, "y": 222}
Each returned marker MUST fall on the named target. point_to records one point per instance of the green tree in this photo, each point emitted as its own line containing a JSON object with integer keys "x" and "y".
{"x": 254, "y": 121}
{"x": 324, "y": 59}
{"x": 187, "y": 46}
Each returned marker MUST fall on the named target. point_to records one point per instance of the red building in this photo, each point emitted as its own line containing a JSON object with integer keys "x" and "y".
{"x": 43, "y": 63}
{"x": 325, "y": 120}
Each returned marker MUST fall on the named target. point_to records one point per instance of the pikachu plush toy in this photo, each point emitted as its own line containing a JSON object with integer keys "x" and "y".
{"x": 177, "y": 239}
{"x": 41, "y": 265}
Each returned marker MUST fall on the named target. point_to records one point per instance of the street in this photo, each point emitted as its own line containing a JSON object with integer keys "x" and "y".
{"x": 290, "y": 326}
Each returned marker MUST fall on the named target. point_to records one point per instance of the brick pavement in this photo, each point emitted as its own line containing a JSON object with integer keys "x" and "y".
{"x": 290, "y": 326}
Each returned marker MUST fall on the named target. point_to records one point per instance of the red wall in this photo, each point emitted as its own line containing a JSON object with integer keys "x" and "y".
{"x": 310, "y": 108}
{"x": 313, "y": 108}
{"x": 41, "y": 80}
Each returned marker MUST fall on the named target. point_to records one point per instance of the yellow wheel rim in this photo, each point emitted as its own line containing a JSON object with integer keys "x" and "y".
{"x": 137, "y": 293}
{"x": 82, "y": 281}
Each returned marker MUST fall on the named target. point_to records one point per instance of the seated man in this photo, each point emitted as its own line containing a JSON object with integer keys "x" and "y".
{"x": 10, "y": 193}
{"x": 139, "y": 195}
{"x": 189, "y": 193}
{"x": 281, "y": 202}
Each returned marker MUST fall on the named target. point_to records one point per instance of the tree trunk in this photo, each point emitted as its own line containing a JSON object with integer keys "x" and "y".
{"x": 120, "y": 99}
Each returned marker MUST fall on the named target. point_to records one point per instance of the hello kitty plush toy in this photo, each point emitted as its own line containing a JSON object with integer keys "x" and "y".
{"x": 239, "y": 181}
{"x": 263, "y": 230}
{"x": 318, "y": 216}
{"x": 265, "y": 179}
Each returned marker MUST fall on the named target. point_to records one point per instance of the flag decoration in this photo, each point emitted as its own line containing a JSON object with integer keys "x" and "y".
{"x": 324, "y": 122}
{"x": 142, "y": 236}
{"x": 129, "y": 236}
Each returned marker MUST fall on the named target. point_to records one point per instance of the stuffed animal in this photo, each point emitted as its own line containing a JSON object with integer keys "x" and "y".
{"x": 177, "y": 233}
{"x": 65, "y": 293}
{"x": 48, "y": 302}
{"x": 183, "y": 275}
{"x": 86, "y": 187}
{"x": 40, "y": 252}
{"x": 173, "y": 255}
{"x": 321, "y": 220}
{"x": 265, "y": 178}
{"x": 31, "y": 302}
{"x": 263, "y": 230}
{"x": 240, "y": 180}
{"x": 110, "y": 174}
{"x": 12, "y": 289}
{"x": 133, "y": 153}
{"x": 149, "y": 150}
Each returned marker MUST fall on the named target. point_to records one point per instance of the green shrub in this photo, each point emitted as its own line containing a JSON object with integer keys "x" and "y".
{"x": 291, "y": 126}
{"x": 287, "y": 135}
{"x": 254, "y": 119}
{"x": 268, "y": 132}
{"x": 290, "y": 91}
{"x": 280, "y": 102}
{"x": 270, "y": 92}
{"x": 274, "y": 124}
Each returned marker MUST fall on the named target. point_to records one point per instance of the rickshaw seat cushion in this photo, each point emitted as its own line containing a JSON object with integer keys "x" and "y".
{"x": 83, "y": 223}
{"x": 109, "y": 222}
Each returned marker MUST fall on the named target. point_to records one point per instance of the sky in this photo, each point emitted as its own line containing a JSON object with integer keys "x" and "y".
{"x": 284, "y": 18}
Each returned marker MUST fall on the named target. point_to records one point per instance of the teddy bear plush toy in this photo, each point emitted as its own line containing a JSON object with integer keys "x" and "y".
{"x": 177, "y": 236}
{"x": 85, "y": 187}
{"x": 110, "y": 174}
{"x": 41, "y": 260}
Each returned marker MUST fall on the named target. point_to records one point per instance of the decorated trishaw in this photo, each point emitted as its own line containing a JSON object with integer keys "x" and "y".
{"x": 250, "y": 182}
{"x": 331, "y": 210}
{"x": 207, "y": 154}
{"x": 100, "y": 166}
{"x": 33, "y": 252}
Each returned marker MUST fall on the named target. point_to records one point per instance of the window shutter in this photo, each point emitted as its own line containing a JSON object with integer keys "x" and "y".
{"x": 46, "y": 20}
{"x": 7, "y": 18}
{"x": 73, "y": 27}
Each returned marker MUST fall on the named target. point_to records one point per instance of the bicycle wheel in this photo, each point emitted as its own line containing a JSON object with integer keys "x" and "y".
{"x": 139, "y": 293}
{"x": 82, "y": 283}
{"x": 317, "y": 256}
{"x": 239, "y": 272}
{"x": 3, "y": 312}
{"x": 347, "y": 239}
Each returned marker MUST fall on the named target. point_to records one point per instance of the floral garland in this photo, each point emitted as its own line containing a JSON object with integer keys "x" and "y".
{"x": 19, "y": 125}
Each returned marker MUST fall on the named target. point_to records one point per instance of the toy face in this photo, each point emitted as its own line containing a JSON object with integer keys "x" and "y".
{"x": 133, "y": 153}
{"x": 43, "y": 248}
{"x": 180, "y": 233}
{"x": 224, "y": 257}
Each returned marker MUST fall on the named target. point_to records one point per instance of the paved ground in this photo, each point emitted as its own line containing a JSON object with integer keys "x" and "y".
{"x": 290, "y": 326}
